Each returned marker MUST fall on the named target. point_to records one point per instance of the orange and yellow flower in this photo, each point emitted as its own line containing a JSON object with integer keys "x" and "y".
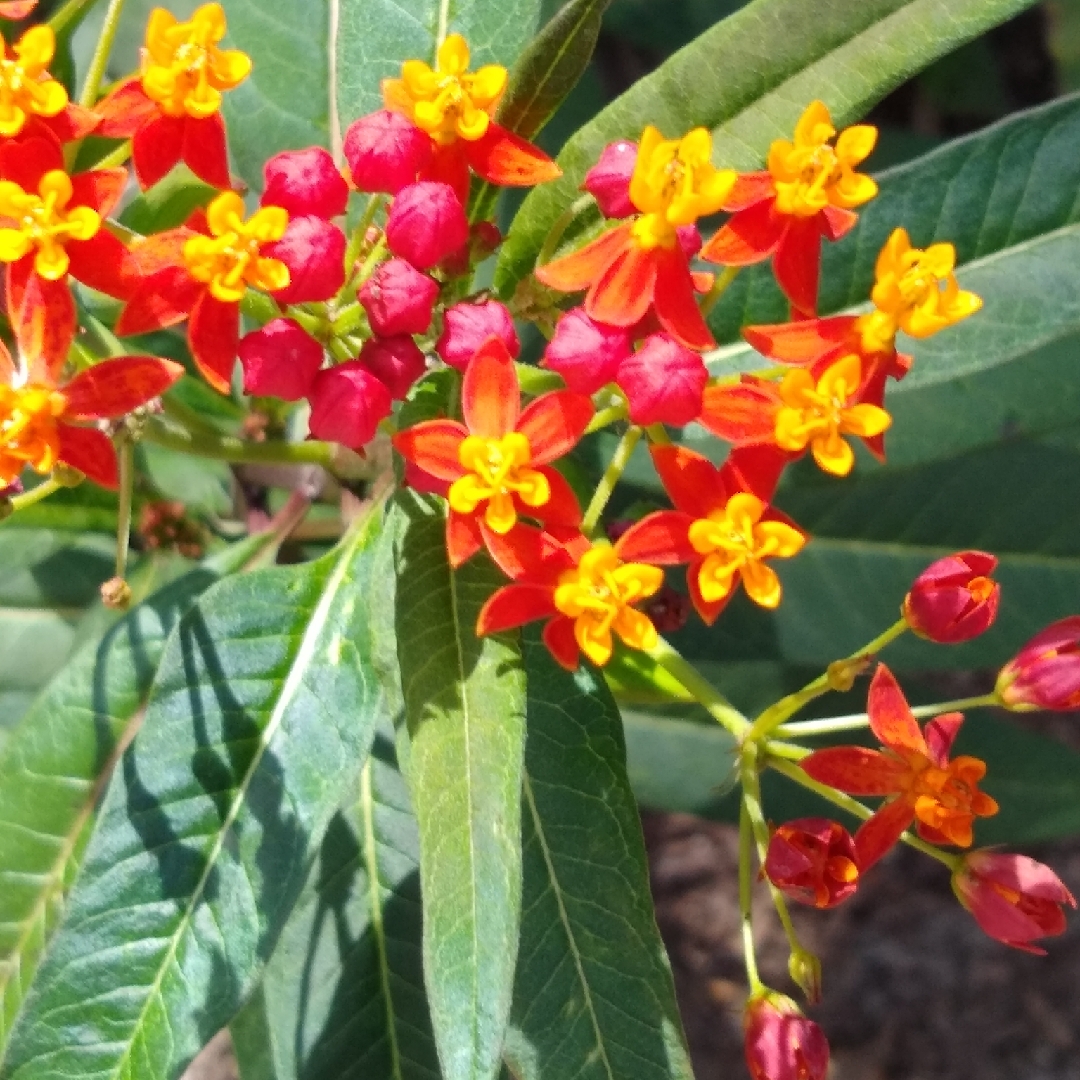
{"x": 455, "y": 106}
{"x": 941, "y": 795}
{"x": 808, "y": 191}
{"x": 497, "y": 463}
{"x": 172, "y": 110}
{"x": 640, "y": 265}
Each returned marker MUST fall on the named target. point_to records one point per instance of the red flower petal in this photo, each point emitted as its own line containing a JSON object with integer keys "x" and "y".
{"x": 625, "y": 290}
{"x": 755, "y": 469}
{"x": 204, "y": 150}
{"x": 433, "y": 447}
{"x": 125, "y": 110}
{"x": 503, "y": 158}
{"x": 43, "y": 319}
{"x": 804, "y": 341}
{"x": 709, "y": 611}
{"x": 578, "y": 271}
{"x": 940, "y": 734}
{"x": 159, "y": 300}
{"x": 751, "y": 236}
{"x": 837, "y": 222}
{"x": 890, "y": 717}
{"x": 490, "y": 395}
{"x": 91, "y": 452}
{"x": 463, "y": 537}
{"x": 156, "y": 147}
{"x": 103, "y": 263}
{"x": 797, "y": 263}
{"x": 750, "y": 188}
{"x": 693, "y": 483}
{"x": 26, "y": 161}
{"x": 676, "y": 303}
{"x": 878, "y": 834}
{"x": 214, "y": 336}
{"x": 660, "y": 538}
{"x": 558, "y": 636}
{"x": 100, "y": 189}
{"x": 858, "y": 770}
{"x": 562, "y": 508}
{"x": 554, "y": 423}
{"x": 116, "y": 387}
{"x": 515, "y": 605}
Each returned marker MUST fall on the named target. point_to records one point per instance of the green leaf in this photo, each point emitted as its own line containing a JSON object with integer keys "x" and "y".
{"x": 344, "y": 992}
{"x": 167, "y": 204}
{"x": 750, "y": 77}
{"x": 594, "y": 995}
{"x": 56, "y": 762}
{"x": 464, "y": 703}
{"x": 374, "y": 37}
{"x": 261, "y": 713}
{"x": 202, "y": 486}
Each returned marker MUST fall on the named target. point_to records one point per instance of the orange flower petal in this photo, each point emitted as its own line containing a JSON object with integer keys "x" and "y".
{"x": 797, "y": 263}
{"x": 125, "y": 110}
{"x": 115, "y": 387}
{"x": 804, "y": 341}
{"x": 503, "y": 158}
{"x": 742, "y": 413}
{"x": 751, "y": 236}
{"x": 676, "y": 303}
{"x": 433, "y": 447}
{"x": 858, "y": 770}
{"x": 576, "y": 272}
{"x": 890, "y": 717}
{"x": 490, "y": 395}
{"x": 554, "y": 424}
{"x": 750, "y": 188}
{"x": 43, "y": 319}
{"x": 878, "y": 833}
{"x": 624, "y": 292}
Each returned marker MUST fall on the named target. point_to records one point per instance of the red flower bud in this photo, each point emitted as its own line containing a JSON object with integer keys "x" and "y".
{"x": 781, "y": 1044}
{"x": 305, "y": 182}
{"x": 689, "y": 237}
{"x": 314, "y": 252}
{"x": 399, "y": 299}
{"x": 1045, "y": 673}
{"x": 396, "y": 362}
{"x": 608, "y": 181}
{"x": 347, "y": 403}
{"x": 280, "y": 360}
{"x": 664, "y": 382}
{"x": 467, "y": 326}
{"x": 1013, "y": 898}
{"x": 385, "y": 151}
{"x": 954, "y": 599}
{"x": 426, "y": 224}
{"x": 813, "y": 861}
{"x": 585, "y": 353}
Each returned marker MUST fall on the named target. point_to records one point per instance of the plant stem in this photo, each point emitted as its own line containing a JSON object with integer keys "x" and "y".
{"x": 776, "y": 714}
{"x": 125, "y": 454}
{"x": 860, "y": 720}
{"x": 100, "y": 59}
{"x": 562, "y": 223}
{"x": 611, "y": 415}
{"x": 68, "y": 14}
{"x": 853, "y": 806}
{"x": 746, "y": 854}
{"x": 700, "y": 689}
{"x": 29, "y": 498}
{"x": 356, "y": 242}
{"x": 723, "y": 280}
{"x": 535, "y": 381}
{"x": 229, "y": 448}
{"x": 115, "y": 157}
{"x": 610, "y": 478}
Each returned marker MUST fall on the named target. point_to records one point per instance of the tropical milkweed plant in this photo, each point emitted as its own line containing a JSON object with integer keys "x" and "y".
{"x": 559, "y": 486}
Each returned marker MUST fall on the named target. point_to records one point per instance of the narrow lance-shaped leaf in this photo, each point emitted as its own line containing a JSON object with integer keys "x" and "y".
{"x": 465, "y": 717}
{"x": 593, "y": 996}
{"x": 344, "y": 992}
{"x": 750, "y": 77}
{"x": 261, "y": 714}
{"x": 57, "y": 761}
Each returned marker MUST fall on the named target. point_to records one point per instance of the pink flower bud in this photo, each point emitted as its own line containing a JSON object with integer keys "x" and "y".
{"x": 280, "y": 360}
{"x": 399, "y": 299}
{"x": 689, "y": 237}
{"x": 314, "y": 252}
{"x": 585, "y": 353}
{"x": 664, "y": 382}
{"x": 780, "y": 1043}
{"x": 813, "y": 861}
{"x": 396, "y": 362}
{"x": 385, "y": 151}
{"x": 467, "y": 326}
{"x": 426, "y": 224}
{"x": 1013, "y": 898}
{"x": 347, "y": 403}
{"x": 1045, "y": 673}
{"x": 305, "y": 182}
{"x": 608, "y": 181}
{"x": 954, "y": 598}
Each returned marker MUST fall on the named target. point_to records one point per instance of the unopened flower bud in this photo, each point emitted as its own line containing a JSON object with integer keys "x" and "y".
{"x": 385, "y": 151}
{"x": 399, "y": 299}
{"x": 305, "y": 182}
{"x": 347, "y": 403}
{"x": 805, "y": 971}
{"x": 467, "y": 326}
{"x": 280, "y": 360}
{"x": 426, "y": 224}
{"x": 664, "y": 382}
{"x": 608, "y": 181}
{"x": 396, "y": 362}
{"x": 813, "y": 861}
{"x": 953, "y": 599}
{"x": 587, "y": 354}
{"x": 780, "y": 1043}
{"x": 1045, "y": 673}
{"x": 116, "y": 594}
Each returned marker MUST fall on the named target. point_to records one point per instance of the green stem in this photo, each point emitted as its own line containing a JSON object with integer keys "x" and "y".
{"x": 115, "y": 157}
{"x": 658, "y": 435}
{"x": 700, "y": 689}
{"x": 786, "y": 707}
{"x": 31, "y": 497}
{"x": 562, "y": 223}
{"x": 100, "y": 59}
{"x": 610, "y": 478}
{"x": 356, "y": 242}
{"x": 746, "y": 854}
{"x": 535, "y": 381}
{"x": 370, "y": 263}
{"x": 186, "y": 416}
{"x": 125, "y": 453}
{"x": 229, "y": 448}
{"x": 853, "y": 807}
{"x": 831, "y": 724}
{"x": 68, "y": 14}
{"x": 723, "y": 280}
{"x": 611, "y": 415}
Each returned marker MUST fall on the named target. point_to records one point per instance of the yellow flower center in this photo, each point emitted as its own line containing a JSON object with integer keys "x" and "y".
{"x": 449, "y": 102}
{"x": 819, "y": 415}
{"x": 183, "y": 70}
{"x": 915, "y": 290}
{"x": 736, "y": 541}
{"x": 25, "y": 85}
{"x": 810, "y": 173}
{"x": 42, "y": 223}
{"x": 29, "y": 434}
{"x": 498, "y": 470}
{"x": 598, "y": 595}
{"x": 674, "y": 183}
{"x": 230, "y": 260}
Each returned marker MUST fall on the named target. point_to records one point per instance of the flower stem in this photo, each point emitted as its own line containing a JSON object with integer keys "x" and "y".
{"x": 356, "y": 243}
{"x": 855, "y": 721}
{"x": 702, "y": 691}
{"x": 229, "y": 448}
{"x": 562, "y": 223}
{"x": 611, "y": 415}
{"x": 100, "y": 59}
{"x": 610, "y": 478}
{"x": 125, "y": 454}
{"x": 67, "y": 14}
{"x": 535, "y": 381}
{"x": 786, "y": 707}
{"x": 31, "y": 497}
{"x": 723, "y": 280}
{"x": 115, "y": 157}
{"x": 852, "y": 806}
{"x": 746, "y": 854}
